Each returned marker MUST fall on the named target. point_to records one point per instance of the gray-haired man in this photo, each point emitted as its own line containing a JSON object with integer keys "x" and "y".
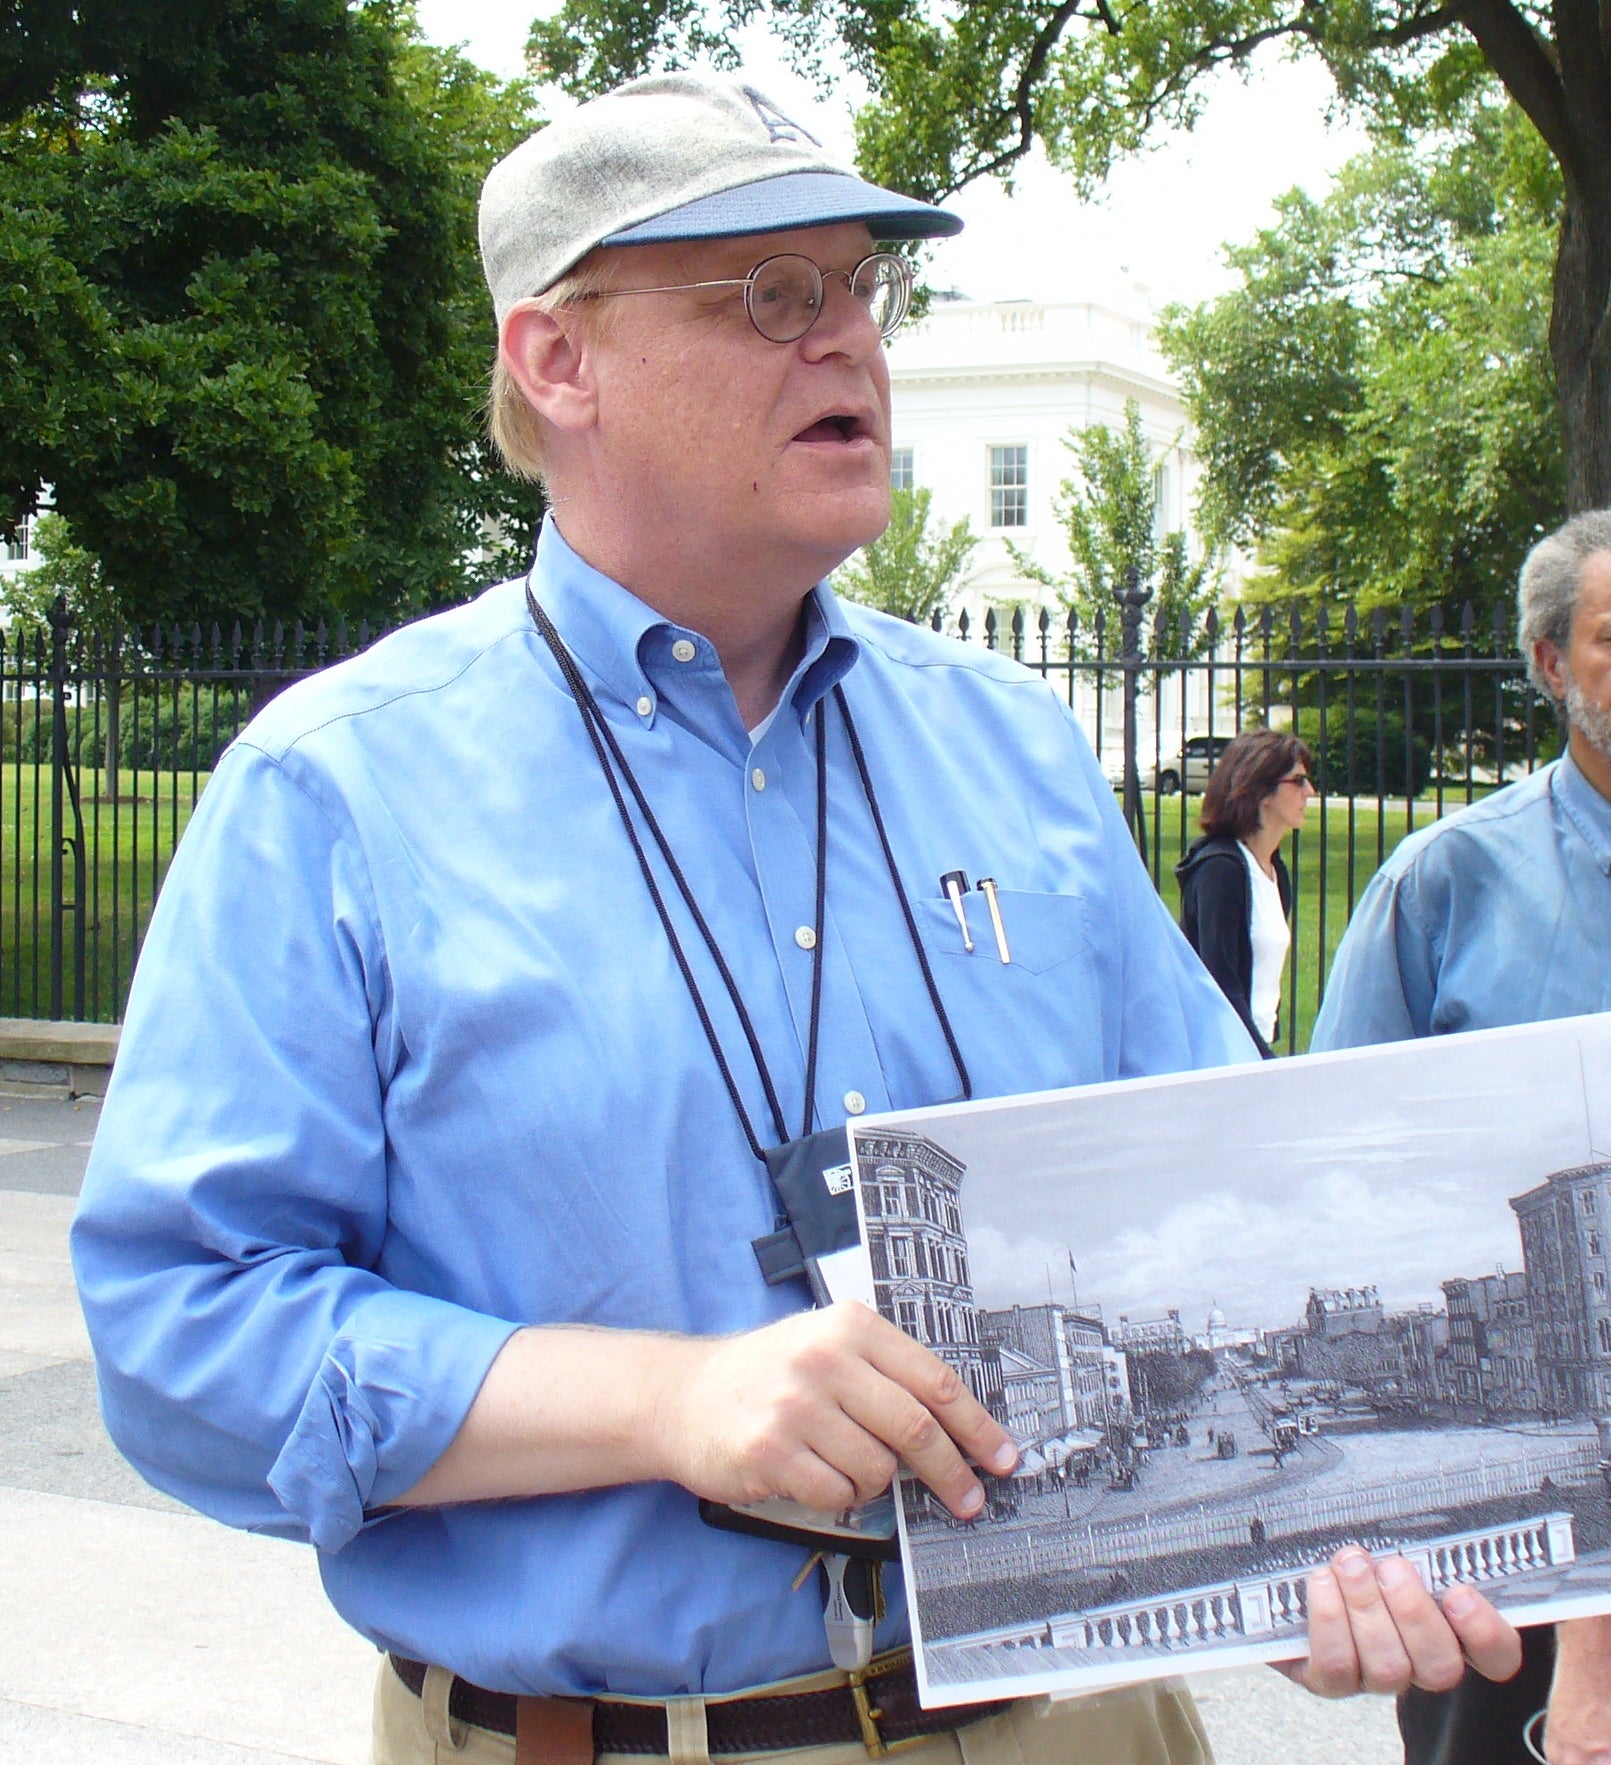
{"x": 1501, "y": 914}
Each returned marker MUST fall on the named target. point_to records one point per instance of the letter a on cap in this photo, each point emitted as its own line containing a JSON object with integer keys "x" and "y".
{"x": 778, "y": 126}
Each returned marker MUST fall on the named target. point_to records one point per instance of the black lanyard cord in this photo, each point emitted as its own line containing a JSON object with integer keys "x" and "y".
{"x": 593, "y": 721}
{"x": 900, "y": 894}
{"x": 606, "y": 748}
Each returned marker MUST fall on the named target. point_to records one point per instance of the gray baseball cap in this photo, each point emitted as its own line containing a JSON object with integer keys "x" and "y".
{"x": 669, "y": 157}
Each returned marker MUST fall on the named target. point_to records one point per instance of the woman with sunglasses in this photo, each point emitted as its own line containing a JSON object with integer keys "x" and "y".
{"x": 1235, "y": 894}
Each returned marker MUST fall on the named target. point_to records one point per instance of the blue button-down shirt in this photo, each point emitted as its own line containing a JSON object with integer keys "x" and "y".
{"x": 1498, "y": 914}
{"x": 408, "y": 1064}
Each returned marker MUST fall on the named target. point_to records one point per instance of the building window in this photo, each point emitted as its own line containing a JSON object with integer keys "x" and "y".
{"x": 1594, "y": 1243}
{"x": 900, "y": 468}
{"x": 906, "y": 1313}
{"x": 15, "y": 551}
{"x": 1588, "y": 1201}
{"x": 900, "y": 1255}
{"x": 1605, "y": 1335}
{"x": 1009, "y": 486}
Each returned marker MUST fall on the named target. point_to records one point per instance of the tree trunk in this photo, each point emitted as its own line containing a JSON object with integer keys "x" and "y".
{"x": 1580, "y": 344}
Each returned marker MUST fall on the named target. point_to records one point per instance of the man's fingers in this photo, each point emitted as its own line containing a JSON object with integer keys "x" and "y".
{"x": 1491, "y": 1643}
{"x": 1384, "y": 1661}
{"x": 840, "y": 1440}
{"x": 1332, "y": 1669}
{"x": 1436, "y": 1663}
{"x": 915, "y": 1435}
{"x": 942, "y": 1392}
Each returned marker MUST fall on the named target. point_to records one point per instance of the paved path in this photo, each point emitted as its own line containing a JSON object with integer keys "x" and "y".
{"x": 135, "y": 1633}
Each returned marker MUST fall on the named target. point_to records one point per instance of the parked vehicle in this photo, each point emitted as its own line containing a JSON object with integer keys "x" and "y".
{"x": 1191, "y": 766}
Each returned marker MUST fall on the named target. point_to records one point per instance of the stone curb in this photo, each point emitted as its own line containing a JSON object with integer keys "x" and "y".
{"x": 43, "y": 1059}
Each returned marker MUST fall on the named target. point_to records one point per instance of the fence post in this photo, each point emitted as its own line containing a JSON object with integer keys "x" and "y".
{"x": 1132, "y": 601}
{"x": 62, "y": 783}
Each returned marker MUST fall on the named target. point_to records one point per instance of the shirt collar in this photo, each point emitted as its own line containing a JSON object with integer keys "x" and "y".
{"x": 1588, "y": 811}
{"x": 620, "y": 638}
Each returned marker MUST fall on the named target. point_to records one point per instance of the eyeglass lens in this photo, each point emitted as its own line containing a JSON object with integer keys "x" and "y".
{"x": 784, "y": 295}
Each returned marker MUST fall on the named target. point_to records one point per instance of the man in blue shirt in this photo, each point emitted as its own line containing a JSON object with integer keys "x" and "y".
{"x": 494, "y": 962}
{"x": 1501, "y": 914}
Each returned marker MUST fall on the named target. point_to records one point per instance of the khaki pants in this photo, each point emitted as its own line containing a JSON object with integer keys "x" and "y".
{"x": 1147, "y": 1725}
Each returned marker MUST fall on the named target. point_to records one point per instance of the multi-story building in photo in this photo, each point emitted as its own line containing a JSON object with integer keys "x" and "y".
{"x": 920, "y": 1259}
{"x": 1489, "y": 1361}
{"x": 1159, "y": 1334}
{"x": 1072, "y": 1343}
{"x": 1422, "y": 1337}
{"x": 1345, "y": 1338}
{"x": 1033, "y": 1395}
{"x": 1565, "y": 1229}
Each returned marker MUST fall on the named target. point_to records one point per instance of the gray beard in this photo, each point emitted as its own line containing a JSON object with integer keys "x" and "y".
{"x": 1592, "y": 721}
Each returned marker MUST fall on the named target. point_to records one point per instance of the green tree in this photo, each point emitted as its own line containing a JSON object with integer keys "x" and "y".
{"x": 1374, "y": 405}
{"x": 243, "y": 318}
{"x": 1109, "y": 510}
{"x": 963, "y": 92}
{"x": 909, "y": 571}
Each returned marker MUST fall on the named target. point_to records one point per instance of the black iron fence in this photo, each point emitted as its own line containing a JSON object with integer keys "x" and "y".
{"x": 107, "y": 741}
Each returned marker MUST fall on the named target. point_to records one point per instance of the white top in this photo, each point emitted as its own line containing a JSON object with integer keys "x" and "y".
{"x": 1272, "y": 938}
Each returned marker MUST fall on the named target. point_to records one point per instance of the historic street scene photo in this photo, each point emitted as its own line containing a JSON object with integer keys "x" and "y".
{"x": 1238, "y": 1319}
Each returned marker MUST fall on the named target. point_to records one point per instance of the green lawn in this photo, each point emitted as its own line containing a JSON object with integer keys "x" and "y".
{"x": 127, "y": 845}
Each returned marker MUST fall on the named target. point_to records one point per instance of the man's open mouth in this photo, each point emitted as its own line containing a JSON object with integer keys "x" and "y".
{"x": 836, "y": 428}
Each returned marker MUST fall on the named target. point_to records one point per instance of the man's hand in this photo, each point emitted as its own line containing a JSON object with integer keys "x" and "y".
{"x": 1374, "y": 1627}
{"x": 1578, "y": 1731}
{"x": 821, "y": 1408}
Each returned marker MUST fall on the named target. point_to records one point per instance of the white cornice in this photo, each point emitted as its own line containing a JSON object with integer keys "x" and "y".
{"x": 972, "y": 373}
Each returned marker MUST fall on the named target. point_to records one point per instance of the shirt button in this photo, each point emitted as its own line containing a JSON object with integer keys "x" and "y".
{"x": 684, "y": 650}
{"x": 855, "y": 1103}
{"x": 645, "y": 705}
{"x": 758, "y": 779}
{"x": 806, "y": 938}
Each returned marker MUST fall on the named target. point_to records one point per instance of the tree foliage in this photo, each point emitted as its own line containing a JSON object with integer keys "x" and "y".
{"x": 965, "y": 91}
{"x": 1375, "y": 404}
{"x": 908, "y": 570}
{"x": 242, "y": 326}
{"x": 1109, "y": 510}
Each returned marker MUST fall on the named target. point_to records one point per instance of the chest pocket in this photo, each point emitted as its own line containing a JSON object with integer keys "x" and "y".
{"x": 1043, "y": 931}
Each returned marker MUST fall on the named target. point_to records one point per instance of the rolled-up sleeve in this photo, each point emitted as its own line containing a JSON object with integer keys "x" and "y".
{"x": 251, "y": 1361}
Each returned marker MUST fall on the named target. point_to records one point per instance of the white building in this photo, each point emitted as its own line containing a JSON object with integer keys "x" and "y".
{"x": 985, "y": 396}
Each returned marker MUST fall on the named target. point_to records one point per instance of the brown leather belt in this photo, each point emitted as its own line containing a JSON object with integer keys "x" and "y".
{"x": 878, "y": 1713}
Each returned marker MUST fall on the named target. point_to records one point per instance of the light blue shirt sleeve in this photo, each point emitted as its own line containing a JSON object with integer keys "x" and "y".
{"x": 250, "y": 1362}
{"x": 1384, "y": 978}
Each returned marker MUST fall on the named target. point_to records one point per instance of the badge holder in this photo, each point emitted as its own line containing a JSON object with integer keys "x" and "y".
{"x": 815, "y": 1183}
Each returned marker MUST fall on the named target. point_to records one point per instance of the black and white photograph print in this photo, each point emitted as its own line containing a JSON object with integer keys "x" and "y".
{"x": 1238, "y": 1319}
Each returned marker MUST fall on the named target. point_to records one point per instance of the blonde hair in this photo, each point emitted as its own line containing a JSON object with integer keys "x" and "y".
{"x": 515, "y": 429}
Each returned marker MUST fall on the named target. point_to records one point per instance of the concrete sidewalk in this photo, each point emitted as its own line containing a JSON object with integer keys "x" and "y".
{"x": 133, "y": 1632}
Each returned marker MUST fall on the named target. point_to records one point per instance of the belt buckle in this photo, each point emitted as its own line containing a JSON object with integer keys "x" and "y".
{"x": 867, "y": 1713}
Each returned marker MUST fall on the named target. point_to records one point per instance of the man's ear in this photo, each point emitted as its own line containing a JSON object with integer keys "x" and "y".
{"x": 1552, "y": 665}
{"x": 548, "y": 358}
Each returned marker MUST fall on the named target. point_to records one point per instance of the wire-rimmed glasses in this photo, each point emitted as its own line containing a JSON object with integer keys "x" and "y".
{"x": 783, "y": 295}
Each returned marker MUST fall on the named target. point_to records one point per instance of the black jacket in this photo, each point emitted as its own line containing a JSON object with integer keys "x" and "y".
{"x": 1216, "y": 914}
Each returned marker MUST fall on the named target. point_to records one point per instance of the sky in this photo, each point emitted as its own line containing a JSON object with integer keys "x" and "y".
{"x": 1391, "y": 1167}
{"x": 1164, "y": 217}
